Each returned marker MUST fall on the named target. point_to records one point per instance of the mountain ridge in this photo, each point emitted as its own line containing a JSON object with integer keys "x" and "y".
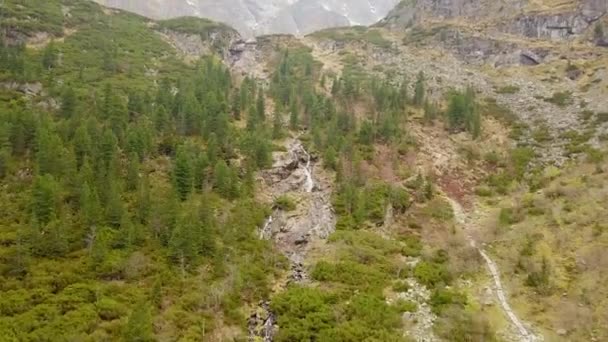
{"x": 266, "y": 16}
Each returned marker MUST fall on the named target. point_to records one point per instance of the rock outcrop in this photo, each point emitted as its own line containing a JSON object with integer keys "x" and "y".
{"x": 519, "y": 17}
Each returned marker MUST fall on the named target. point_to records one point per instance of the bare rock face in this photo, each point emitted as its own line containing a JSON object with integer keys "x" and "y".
{"x": 255, "y": 17}
{"x": 518, "y": 17}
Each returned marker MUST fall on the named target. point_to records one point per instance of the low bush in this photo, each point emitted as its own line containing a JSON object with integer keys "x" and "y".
{"x": 431, "y": 274}
{"x": 285, "y": 203}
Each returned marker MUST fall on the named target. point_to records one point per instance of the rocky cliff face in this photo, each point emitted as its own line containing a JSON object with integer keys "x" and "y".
{"x": 254, "y": 17}
{"x": 533, "y": 19}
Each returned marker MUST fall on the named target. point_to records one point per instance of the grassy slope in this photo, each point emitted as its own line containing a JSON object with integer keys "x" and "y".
{"x": 62, "y": 299}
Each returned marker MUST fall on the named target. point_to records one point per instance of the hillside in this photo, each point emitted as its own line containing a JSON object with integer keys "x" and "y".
{"x": 265, "y": 16}
{"x": 439, "y": 176}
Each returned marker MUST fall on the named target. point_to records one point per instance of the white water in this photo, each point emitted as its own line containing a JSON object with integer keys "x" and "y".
{"x": 265, "y": 232}
{"x": 310, "y": 183}
{"x": 524, "y": 334}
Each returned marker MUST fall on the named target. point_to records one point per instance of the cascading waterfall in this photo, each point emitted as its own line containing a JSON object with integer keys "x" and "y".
{"x": 265, "y": 231}
{"x": 310, "y": 183}
{"x": 262, "y": 322}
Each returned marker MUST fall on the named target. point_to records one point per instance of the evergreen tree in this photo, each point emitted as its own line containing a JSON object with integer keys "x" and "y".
{"x": 261, "y": 106}
{"x": 45, "y": 199}
{"x": 50, "y": 239}
{"x": 277, "y": 126}
{"x": 49, "y": 56}
{"x": 182, "y": 173}
{"x": 132, "y": 177}
{"x": 90, "y": 206}
{"x": 419, "y": 90}
{"x": 236, "y": 106}
{"x": 143, "y": 200}
{"x": 183, "y": 247}
{"x": 83, "y": 145}
{"x": 293, "y": 115}
{"x": 68, "y": 103}
{"x": 222, "y": 181}
{"x": 114, "y": 206}
{"x": 4, "y": 162}
{"x": 49, "y": 151}
{"x": 403, "y": 94}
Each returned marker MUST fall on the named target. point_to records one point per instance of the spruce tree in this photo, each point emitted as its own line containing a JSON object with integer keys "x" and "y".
{"x": 132, "y": 176}
{"x": 261, "y": 106}
{"x": 419, "y": 89}
{"x": 90, "y": 206}
{"x": 222, "y": 179}
{"x": 183, "y": 173}
{"x": 68, "y": 103}
{"x": 45, "y": 198}
{"x": 49, "y": 56}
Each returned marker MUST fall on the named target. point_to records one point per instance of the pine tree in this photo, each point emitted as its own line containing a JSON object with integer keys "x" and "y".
{"x": 143, "y": 200}
{"x": 293, "y": 114}
{"x": 132, "y": 177}
{"x": 49, "y": 56}
{"x": 115, "y": 206}
{"x": 90, "y": 206}
{"x": 183, "y": 247}
{"x": 236, "y": 106}
{"x": 201, "y": 166}
{"x": 330, "y": 158}
{"x": 222, "y": 179}
{"x": 403, "y": 94}
{"x": 49, "y": 150}
{"x": 5, "y": 159}
{"x": 83, "y": 144}
{"x": 161, "y": 120}
{"x": 50, "y": 239}
{"x": 419, "y": 90}
{"x": 182, "y": 173}
{"x": 261, "y": 106}
{"x": 45, "y": 198}
{"x": 68, "y": 103}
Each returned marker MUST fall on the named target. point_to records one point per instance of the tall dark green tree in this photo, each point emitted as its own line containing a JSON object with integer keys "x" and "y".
{"x": 261, "y": 106}
{"x": 68, "y": 102}
{"x": 183, "y": 173}
{"x": 420, "y": 89}
{"x": 45, "y": 198}
{"x": 50, "y": 56}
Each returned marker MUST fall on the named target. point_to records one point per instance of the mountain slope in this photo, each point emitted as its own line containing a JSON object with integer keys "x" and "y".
{"x": 266, "y": 16}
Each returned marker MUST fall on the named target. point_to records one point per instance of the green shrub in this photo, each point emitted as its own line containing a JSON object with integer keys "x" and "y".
{"x": 109, "y": 309}
{"x": 602, "y": 117}
{"x": 439, "y": 209}
{"x": 509, "y": 89}
{"x": 483, "y": 191}
{"x": 401, "y": 286}
{"x": 441, "y": 298}
{"x": 459, "y": 325}
{"x": 561, "y": 99}
{"x": 405, "y": 306}
{"x": 431, "y": 274}
{"x": 510, "y": 216}
{"x": 349, "y": 273}
{"x": 285, "y": 203}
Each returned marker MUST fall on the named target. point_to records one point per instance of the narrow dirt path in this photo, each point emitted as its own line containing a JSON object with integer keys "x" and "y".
{"x": 523, "y": 333}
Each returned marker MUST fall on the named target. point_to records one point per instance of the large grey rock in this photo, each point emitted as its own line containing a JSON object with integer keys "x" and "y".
{"x": 510, "y": 16}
